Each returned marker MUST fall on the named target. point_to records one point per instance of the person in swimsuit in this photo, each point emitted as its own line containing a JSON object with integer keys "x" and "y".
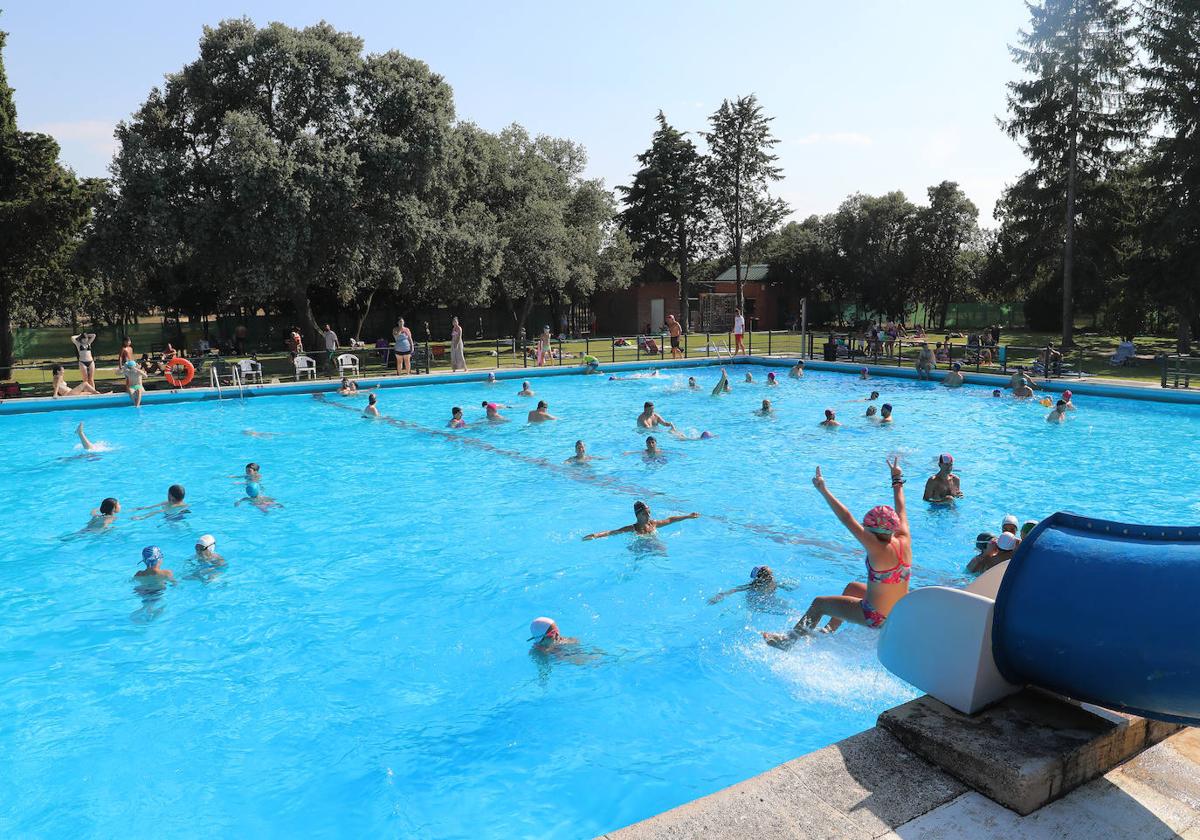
{"x": 993, "y": 553}
{"x": 591, "y": 364}
{"x": 954, "y": 378}
{"x": 674, "y": 328}
{"x": 651, "y": 454}
{"x": 126, "y": 355}
{"x": 885, "y": 413}
{"x": 644, "y": 526}
{"x": 491, "y": 379}
{"x": 525, "y": 391}
{"x": 692, "y": 386}
{"x": 61, "y": 389}
{"x": 372, "y": 409}
{"x": 540, "y": 414}
{"x": 254, "y": 496}
{"x": 766, "y": 410}
{"x": 772, "y": 382}
{"x": 104, "y": 516}
{"x": 403, "y": 344}
{"x": 206, "y": 551}
{"x": 458, "y": 359}
{"x": 943, "y": 487}
{"x": 174, "y": 504}
{"x": 152, "y": 557}
{"x": 493, "y": 412}
{"x": 925, "y": 362}
{"x": 253, "y": 473}
{"x": 87, "y": 363}
{"x": 749, "y": 378}
{"x": 1018, "y": 378}
{"x": 982, "y": 541}
{"x": 864, "y": 373}
{"x": 722, "y": 386}
{"x": 348, "y": 388}
{"x": 797, "y": 370}
{"x": 649, "y": 418}
{"x": 543, "y": 632}
{"x": 830, "y": 420}
{"x": 1059, "y": 414}
{"x": 885, "y": 535}
{"x": 456, "y": 419}
{"x": 1022, "y": 391}
{"x": 871, "y": 411}
{"x": 133, "y": 382}
{"x": 1066, "y": 395}
{"x": 543, "y": 346}
{"x": 581, "y": 455}
{"x": 762, "y": 584}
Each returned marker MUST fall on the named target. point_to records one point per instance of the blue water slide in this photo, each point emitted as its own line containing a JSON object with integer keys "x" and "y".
{"x": 1104, "y": 612}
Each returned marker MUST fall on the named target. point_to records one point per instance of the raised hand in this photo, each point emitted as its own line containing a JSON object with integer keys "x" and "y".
{"x": 818, "y": 480}
{"x": 894, "y": 466}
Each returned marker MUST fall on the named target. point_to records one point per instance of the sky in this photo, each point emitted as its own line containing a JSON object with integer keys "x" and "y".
{"x": 867, "y": 96}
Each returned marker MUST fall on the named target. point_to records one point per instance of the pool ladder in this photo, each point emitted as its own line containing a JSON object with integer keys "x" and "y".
{"x": 235, "y": 378}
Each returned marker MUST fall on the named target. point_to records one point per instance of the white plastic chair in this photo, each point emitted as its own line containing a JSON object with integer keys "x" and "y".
{"x": 251, "y": 370}
{"x": 347, "y": 364}
{"x": 305, "y": 367}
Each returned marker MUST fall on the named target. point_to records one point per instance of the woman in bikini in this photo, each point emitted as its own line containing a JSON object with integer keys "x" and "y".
{"x": 885, "y": 534}
{"x": 87, "y": 363}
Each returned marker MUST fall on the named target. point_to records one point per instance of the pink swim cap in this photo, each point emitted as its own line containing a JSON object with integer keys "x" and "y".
{"x": 881, "y": 519}
{"x": 1067, "y": 394}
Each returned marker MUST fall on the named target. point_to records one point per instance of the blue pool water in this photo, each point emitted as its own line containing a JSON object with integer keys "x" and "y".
{"x": 360, "y": 667}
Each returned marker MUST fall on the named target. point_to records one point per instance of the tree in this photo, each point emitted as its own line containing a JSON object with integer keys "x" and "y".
{"x": 875, "y": 238}
{"x": 1169, "y": 36}
{"x": 43, "y": 210}
{"x": 667, "y": 212}
{"x": 944, "y": 232}
{"x": 1071, "y": 117}
{"x": 282, "y": 162}
{"x": 740, "y": 168}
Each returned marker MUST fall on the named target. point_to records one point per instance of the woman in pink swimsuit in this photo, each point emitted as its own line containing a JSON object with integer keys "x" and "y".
{"x": 885, "y": 534}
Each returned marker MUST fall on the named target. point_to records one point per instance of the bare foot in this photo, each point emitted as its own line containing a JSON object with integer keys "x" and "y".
{"x": 83, "y": 440}
{"x": 783, "y": 641}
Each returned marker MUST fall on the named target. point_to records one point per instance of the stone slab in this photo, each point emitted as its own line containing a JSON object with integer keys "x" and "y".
{"x": 1026, "y": 750}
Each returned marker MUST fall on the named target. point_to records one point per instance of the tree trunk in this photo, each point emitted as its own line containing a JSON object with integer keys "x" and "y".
{"x": 685, "y": 286}
{"x": 304, "y": 312}
{"x": 361, "y": 317}
{"x": 6, "y": 335}
{"x": 1184, "y": 331}
{"x": 1068, "y": 319}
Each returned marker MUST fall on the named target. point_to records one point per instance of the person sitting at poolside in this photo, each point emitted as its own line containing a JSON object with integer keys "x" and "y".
{"x": 771, "y": 380}
{"x": 942, "y": 352}
{"x": 133, "y": 380}
{"x": 1059, "y": 414}
{"x": 954, "y": 378}
{"x": 543, "y": 632}
{"x": 206, "y": 551}
{"x": 61, "y": 389}
{"x": 540, "y": 414}
{"x": 104, "y": 516}
{"x": 525, "y": 391}
{"x": 925, "y": 361}
{"x": 885, "y": 413}
{"x": 254, "y": 496}
{"x": 722, "y": 386}
{"x": 766, "y": 410}
{"x": 149, "y": 366}
{"x": 797, "y": 370}
{"x": 493, "y": 412}
{"x": 456, "y": 419}
{"x": 1019, "y": 377}
{"x": 762, "y": 584}
{"x": 590, "y": 365}
{"x": 885, "y": 534}
{"x": 1066, "y": 396}
{"x": 581, "y": 455}
{"x": 174, "y": 504}
{"x": 692, "y": 386}
{"x": 372, "y": 409}
{"x": 152, "y": 557}
{"x": 649, "y": 418}
{"x": 645, "y": 525}
{"x": 348, "y": 388}
{"x": 983, "y": 541}
{"x": 943, "y": 486}
{"x": 830, "y": 420}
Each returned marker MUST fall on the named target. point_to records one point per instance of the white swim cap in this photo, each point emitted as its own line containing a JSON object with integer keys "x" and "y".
{"x": 207, "y": 541}
{"x": 1006, "y": 541}
{"x": 1009, "y": 520}
{"x": 539, "y": 628}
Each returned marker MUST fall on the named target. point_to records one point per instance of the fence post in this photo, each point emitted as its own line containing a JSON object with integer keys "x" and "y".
{"x": 612, "y": 342}
{"x": 707, "y": 345}
{"x": 524, "y": 356}
{"x": 768, "y": 342}
{"x": 560, "y": 353}
{"x": 749, "y": 342}
{"x": 685, "y": 344}
{"x": 638, "y": 342}
{"x": 428, "y": 357}
{"x": 497, "y": 352}
{"x": 1162, "y": 360}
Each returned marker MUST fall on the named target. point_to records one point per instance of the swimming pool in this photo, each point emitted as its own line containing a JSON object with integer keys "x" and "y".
{"x": 360, "y": 666}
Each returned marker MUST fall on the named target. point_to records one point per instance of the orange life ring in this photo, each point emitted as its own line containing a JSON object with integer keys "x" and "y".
{"x": 179, "y": 361}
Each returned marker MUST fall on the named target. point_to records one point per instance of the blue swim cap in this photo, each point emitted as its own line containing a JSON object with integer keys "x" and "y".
{"x": 151, "y": 556}
{"x": 129, "y": 363}
{"x": 253, "y": 490}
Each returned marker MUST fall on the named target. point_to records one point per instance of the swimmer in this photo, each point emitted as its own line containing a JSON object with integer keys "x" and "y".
{"x": 1022, "y": 391}
{"x": 1059, "y": 414}
{"x": 943, "y": 486}
{"x": 692, "y": 386}
{"x": 87, "y": 445}
{"x": 766, "y": 410}
{"x": 263, "y": 435}
{"x": 651, "y": 454}
{"x": 864, "y": 374}
{"x": 871, "y": 411}
{"x": 762, "y": 583}
{"x": 372, "y": 409}
{"x": 152, "y": 556}
{"x": 61, "y": 389}
{"x": 540, "y": 414}
{"x": 206, "y": 551}
{"x": 874, "y": 396}
{"x": 885, "y": 413}
{"x": 982, "y": 540}
{"x": 525, "y": 391}
{"x": 772, "y": 382}
{"x": 1066, "y": 395}
{"x": 1027, "y": 526}
{"x": 104, "y": 516}
{"x": 581, "y": 455}
{"x": 456, "y": 419}
{"x": 797, "y": 371}
{"x": 954, "y": 378}
{"x": 174, "y": 504}
{"x": 348, "y": 388}
{"x": 645, "y": 525}
{"x": 998, "y": 551}
{"x": 830, "y": 420}
{"x": 543, "y": 632}
{"x": 722, "y": 386}
{"x": 253, "y": 473}
{"x": 493, "y": 412}
{"x": 491, "y": 380}
{"x": 133, "y": 380}
{"x": 649, "y": 418}
{"x": 996, "y": 393}
{"x": 650, "y": 375}
{"x": 254, "y": 496}
{"x": 749, "y": 377}
{"x": 1020, "y": 378}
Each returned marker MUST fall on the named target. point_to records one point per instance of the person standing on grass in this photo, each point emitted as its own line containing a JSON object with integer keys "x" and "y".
{"x": 543, "y": 346}
{"x": 458, "y": 359}
{"x": 676, "y": 332}
{"x": 87, "y": 363}
{"x": 331, "y": 344}
{"x": 739, "y": 327}
{"x": 403, "y": 342}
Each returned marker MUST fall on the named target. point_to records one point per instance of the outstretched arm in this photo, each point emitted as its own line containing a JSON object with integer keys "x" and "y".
{"x": 840, "y": 510}
{"x": 898, "y": 493}
{"x": 673, "y": 519}
{"x": 720, "y": 596}
{"x": 602, "y": 534}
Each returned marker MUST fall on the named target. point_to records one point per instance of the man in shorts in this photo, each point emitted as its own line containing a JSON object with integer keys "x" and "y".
{"x": 676, "y": 331}
{"x": 739, "y": 328}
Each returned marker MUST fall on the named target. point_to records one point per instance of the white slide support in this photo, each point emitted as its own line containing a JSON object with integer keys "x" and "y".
{"x": 939, "y": 639}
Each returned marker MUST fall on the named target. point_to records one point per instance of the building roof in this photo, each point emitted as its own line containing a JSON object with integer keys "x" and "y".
{"x": 754, "y": 273}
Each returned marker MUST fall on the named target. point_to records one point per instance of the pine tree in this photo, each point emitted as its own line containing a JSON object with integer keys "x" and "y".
{"x": 1071, "y": 117}
{"x": 667, "y": 212}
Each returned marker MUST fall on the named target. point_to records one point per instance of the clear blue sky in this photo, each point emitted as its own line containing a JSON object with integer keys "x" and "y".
{"x": 868, "y": 96}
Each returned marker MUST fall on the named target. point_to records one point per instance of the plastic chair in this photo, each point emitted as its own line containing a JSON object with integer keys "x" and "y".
{"x": 305, "y": 367}
{"x": 347, "y": 364}
{"x": 250, "y": 370}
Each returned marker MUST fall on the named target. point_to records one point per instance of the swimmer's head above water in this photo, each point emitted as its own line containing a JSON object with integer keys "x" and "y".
{"x": 152, "y": 556}
{"x": 175, "y": 493}
{"x": 885, "y": 410}
{"x": 580, "y": 449}
{"x": 206, "y": 543}
{"x": 543, "y": 631}
{"x": 996, "y": 392}
{"x": 882, "y": 521}
{"x": 829, "y": 414}
{"x": 641, "y": 511}
{"x": 761, "y": 576}
{"x": 110, "y": 506}
{"x": 651, "y": 445}
{"x": 874, "y": 395}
